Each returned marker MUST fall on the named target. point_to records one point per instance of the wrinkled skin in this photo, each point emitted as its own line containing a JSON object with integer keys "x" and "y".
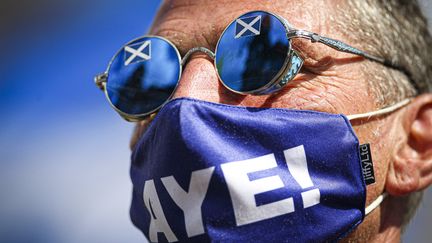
{"x": 330, "y": 81}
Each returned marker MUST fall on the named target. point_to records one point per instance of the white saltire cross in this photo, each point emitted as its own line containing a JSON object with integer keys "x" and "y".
{"x": 248, "y": 26}
{"x": 138, "y": 52}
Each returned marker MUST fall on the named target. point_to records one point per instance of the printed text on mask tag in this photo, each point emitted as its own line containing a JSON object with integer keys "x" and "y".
{"x": 241, "y": 189}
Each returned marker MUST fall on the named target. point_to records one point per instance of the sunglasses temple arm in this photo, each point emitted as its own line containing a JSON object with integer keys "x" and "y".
{"x": 340, "y": 46}
{"x": 335, "y": 44}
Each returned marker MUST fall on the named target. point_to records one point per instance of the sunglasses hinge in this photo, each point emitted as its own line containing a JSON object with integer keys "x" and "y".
{"x": 100, "y": 80}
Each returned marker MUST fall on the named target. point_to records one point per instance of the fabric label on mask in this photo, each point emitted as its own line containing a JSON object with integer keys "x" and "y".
{"x": 367, "y": 164}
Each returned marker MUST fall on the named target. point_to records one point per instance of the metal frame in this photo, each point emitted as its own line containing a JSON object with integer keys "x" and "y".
{"x": 102, "y": 79}
{"x": 277, "y": 83}
{"x": 276, "y": 79}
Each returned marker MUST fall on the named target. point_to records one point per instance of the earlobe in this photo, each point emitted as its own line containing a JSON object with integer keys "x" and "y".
{"x": 411, "y": 166}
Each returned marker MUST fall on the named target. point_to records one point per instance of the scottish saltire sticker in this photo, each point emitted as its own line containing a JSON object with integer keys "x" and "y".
{"x": 137, "y": 52}
{"x": 248, "y": 26}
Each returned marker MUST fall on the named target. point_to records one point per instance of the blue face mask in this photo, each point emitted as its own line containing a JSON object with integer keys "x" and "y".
{"x": 211, "y": 172}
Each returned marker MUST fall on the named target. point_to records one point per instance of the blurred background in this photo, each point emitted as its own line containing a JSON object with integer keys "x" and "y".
{"x": 64, "y": 156}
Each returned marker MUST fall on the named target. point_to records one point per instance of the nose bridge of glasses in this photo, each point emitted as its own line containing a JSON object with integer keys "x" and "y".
{"x": 197, "y": 49}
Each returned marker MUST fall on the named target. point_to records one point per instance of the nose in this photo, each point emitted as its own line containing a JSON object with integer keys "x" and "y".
{"x": 199, "y": 79}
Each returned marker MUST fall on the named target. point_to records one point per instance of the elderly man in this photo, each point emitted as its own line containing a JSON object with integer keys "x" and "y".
{"x": 238, "y": 139}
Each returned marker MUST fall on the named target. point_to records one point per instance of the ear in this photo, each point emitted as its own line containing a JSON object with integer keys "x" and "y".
{"x": 411, "y": 166}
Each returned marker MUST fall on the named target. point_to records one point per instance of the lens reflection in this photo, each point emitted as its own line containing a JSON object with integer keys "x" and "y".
{"x": 143, "y": 75}
{"x": 252, "y": 51}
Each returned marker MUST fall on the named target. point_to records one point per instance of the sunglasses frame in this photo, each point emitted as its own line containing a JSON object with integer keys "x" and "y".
{"x": 102, "y": 79}
{"x": 277, "y": 83}
{"x": 280, "y": 79}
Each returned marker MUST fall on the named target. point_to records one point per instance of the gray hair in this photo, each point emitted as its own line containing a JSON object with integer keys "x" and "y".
{"x": 396, "y": 30}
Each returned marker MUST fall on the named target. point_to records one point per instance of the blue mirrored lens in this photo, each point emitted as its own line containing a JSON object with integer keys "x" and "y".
{"x": 143, "y": 75}
{"x": 252, "y": 51}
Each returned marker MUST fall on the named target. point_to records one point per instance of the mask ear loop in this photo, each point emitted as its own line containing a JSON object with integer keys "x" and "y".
{"x": 384, "y": 111}
{"x": 375, "y": 203}
{"x": 368, "y": 115}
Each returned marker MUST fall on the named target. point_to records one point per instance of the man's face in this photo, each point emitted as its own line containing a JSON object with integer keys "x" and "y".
{"x": 330, "y": 81}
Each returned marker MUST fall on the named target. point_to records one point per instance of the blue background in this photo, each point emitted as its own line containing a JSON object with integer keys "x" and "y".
{"x": 64, "y": 156}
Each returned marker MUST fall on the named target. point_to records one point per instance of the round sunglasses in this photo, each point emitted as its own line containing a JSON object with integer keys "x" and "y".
{"x": 254, "y": 55}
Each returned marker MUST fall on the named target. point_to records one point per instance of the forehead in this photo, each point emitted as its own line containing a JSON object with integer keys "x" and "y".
{"x": 199, "y": 23}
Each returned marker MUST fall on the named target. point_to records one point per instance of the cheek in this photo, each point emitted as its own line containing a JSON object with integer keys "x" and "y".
{"x": 378, "y": 134}
{"x": 307, "y": 92}
{"x": 330, "y": 94}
